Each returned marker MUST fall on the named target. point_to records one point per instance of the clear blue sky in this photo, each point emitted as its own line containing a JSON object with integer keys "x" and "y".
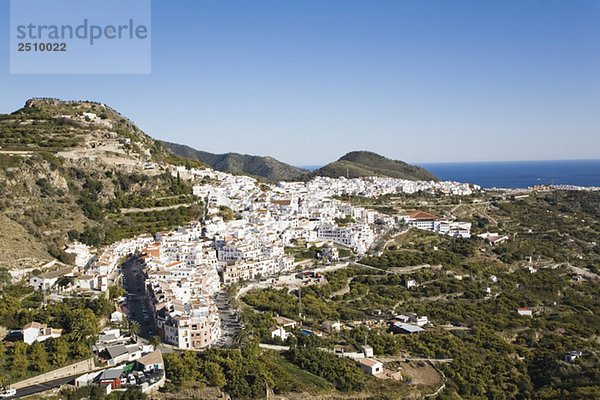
{"x": 307, "y": 81}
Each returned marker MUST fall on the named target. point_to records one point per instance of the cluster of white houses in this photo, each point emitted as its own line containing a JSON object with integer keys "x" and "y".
{"x": 182, "y": 278}
{"x": 185, "y": 268}
{"x": 92, "y": 273}
{"x": 375, "y": 186}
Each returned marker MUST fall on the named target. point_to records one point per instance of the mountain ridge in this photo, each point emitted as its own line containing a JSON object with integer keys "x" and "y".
{"x": 262, "y": 166}
{"x": 69, "y": 169}
{"x": 362, "y": 163}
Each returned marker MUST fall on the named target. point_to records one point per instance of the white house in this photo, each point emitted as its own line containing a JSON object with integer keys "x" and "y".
{"x": 36, "y": 332}
{"x": 330, "y": 251}
{"x": 525, "y": 312}
{"x": 120, "y": 353}
{"x": 116, "y": 316}
{"x": 278, "y": 331}
{"x": 367, "y": 350}
{"x": 109, "y": 335}
{"x": 47, "y": 280}
{"x": 571, "y": 356}
{"x": 331, "y": 326}
{"x": 370, "y": 366}
{"x": 410, "y": 283}
{"x": 82, "y": 253}
{"x": 493, "y": 238}
{"x": 285, "y": 322}
{"x": 421, "y": 220}
{"x": 151, "y": 362}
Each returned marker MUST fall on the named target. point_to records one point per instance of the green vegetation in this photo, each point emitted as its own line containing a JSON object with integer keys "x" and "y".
{"x": 244, "y": 374}
{"x": 99, "y": 393}
{"x": 344, "y": 221}
{"x": 493, "y": 352}
{"x": 9, "y": 161}
{"x": 226, "y": 213}
{"x": 344, "y": 373}
{"x": 47, "y": 199}
{"x": 363, "y": 163}
{"x": 77, "y": 317}
{"x": 316, "y": 302}
{"x": 266, "y": 167}
{"x": 302, "y": 253}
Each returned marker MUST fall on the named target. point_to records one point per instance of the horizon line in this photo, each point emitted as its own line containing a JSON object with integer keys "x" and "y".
{"x": 465, "y": 162}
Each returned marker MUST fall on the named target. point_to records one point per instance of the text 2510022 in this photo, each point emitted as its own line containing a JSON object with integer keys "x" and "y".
{"x": 42, "y": 46}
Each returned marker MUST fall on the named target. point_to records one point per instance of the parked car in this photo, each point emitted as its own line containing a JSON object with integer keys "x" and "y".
{"x": 8, "y": 393}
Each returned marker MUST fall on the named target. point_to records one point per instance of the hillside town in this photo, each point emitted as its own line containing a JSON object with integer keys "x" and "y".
{"x": 185, "y": 268}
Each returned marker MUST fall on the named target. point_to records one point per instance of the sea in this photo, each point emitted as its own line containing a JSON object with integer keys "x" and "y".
{"x": 517, "y": 174}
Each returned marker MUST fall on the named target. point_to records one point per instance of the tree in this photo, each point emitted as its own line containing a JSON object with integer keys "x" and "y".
{"x": 38, "y": 356}
{"x": 83, "y": 324}
{"x": 20, "y": 362}
{"x": 115, "y": 291}
{"x": 133, "y": 328}
{"x": 241, "y": 337}
{"x": 82, "y": 350}
{"x": 214, "y": 374}
{"x": 59, "y": 351}
{"x": 174, "y": 367}
{"x": 155, "y": 341}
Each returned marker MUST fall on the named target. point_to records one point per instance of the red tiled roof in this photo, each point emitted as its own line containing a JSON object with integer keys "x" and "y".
{"x": 421, "y": 215}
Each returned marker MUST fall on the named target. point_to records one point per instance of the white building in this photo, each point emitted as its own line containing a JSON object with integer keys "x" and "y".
{"x": 47, "y": 280}
{"x": 82, "y": 253}
{"x": 36, "y": 332}
{"x": 280, "y": 332}
{"x": 525, "y": 312}
{"x": 370, "y": 366}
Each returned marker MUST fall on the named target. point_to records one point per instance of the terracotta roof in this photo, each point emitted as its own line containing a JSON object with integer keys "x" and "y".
{"x": 421, "y": 215}
{"x": 174, "y": 264}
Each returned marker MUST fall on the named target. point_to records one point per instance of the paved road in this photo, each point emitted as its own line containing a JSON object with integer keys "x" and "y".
{"x": 134, "y": 284}
{"x": 29, "y": 390}
{"x": 229, "y": 320}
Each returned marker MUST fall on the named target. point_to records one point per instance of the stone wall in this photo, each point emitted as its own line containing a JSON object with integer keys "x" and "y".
{"x": 73, "y": 369}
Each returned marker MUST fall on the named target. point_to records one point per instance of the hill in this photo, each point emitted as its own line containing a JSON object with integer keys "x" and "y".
{"x": 266, "y": 167}
{"x": 364, "y": 163}
{"x": 67, "y": 171}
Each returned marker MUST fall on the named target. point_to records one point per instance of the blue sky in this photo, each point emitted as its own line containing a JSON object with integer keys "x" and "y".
{"x": 307, "y": 81}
